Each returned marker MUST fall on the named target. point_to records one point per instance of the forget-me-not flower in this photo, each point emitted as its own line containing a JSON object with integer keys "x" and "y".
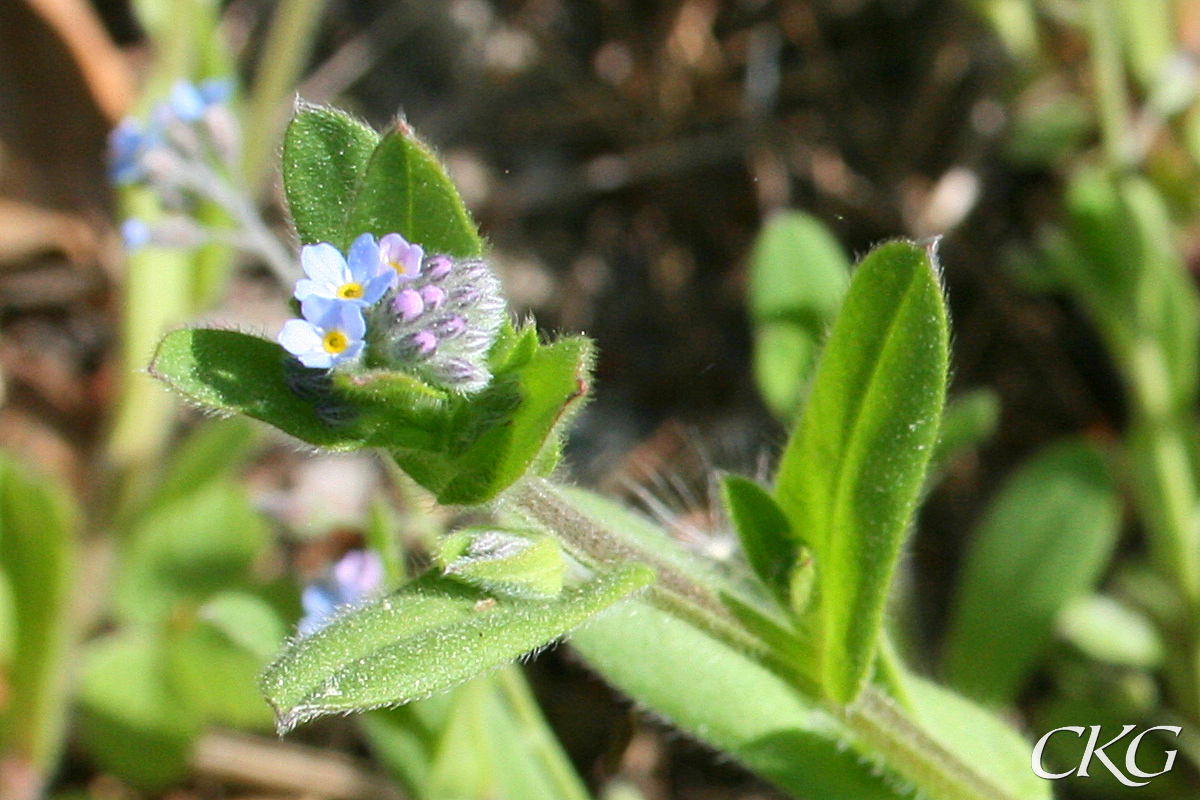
{"x": 400, "y": 258}
{"x": 331, "y": 332}
{"x": 357, "y": 279}
{"x": 127, "y": 143}
{"x": 357, "y": 576}
{"x": 135, "y": 233}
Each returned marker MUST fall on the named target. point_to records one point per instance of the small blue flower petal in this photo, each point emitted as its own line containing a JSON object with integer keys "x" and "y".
{"x": 305, "y": 341}
{"x": 319, "y": 603}
{"x": 357, "y": 576}
{"x": 215, "y": 91}
{"x": 135, "y": 233}
{"x": 331, "y": 332}
{"x": 376, "y": 288}
{"x": 186, "y": 102}
{"x": 363, "y": 260}
{"x": 332, "y": 276}
{"x": 126, "y": 143}
{"x": 324, "y": 264}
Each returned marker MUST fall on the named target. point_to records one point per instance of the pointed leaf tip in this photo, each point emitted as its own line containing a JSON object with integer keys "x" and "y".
{"x": 429, "y": 636}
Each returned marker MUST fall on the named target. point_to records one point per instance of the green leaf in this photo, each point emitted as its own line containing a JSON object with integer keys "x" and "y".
{"x": 246, "y": 620}
{"x": 215, "y": 677}
{"x": 784, "y": 355}
{"x": 991, "y": 748}
{"x": 764, "y": 533}
{"x": 1111, "y": 632}
{"x": 133, "y": 723}
{"x": 383, "y": 536}
{"x": 1044, "y": 540}
{"x": 485, "y": 740}
{"x": 798, "y": 275}
{"x": 1123, "y": 263}
{"x": 325, "y": 154}
{"x": 852, "y": 471}
{"x": 1168, "y": 312}
{"x": 427, "y": 637}
{"x": 729, "y": 702}
{"x": 465, "y": 449}
{"x": 404, "y": 739}
{"x": 406, "y": 191}
{"x": 508, "y": 429}
{"x": 496, "y": 745}
{"x": 210, "y": 452}
{"x": 38, "y": 554}
{"x": 798, "y": 271}
{"x": 186, "y": 551}
{"x": 232, "y": 372}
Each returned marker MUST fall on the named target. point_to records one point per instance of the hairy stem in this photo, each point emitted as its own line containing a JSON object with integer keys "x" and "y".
{"x": 878, "y": 722}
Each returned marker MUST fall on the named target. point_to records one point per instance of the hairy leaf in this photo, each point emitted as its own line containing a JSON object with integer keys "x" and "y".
{"x": 853, "y": 469}
{"x": 429, "y": 636}
{"x": 325, "y": 153}
{"x": 730, "y": 702}
{"x": 764, "y": 533}
{"x": 405, "y": 190}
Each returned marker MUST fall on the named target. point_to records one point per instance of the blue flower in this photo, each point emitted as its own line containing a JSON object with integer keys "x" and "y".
{"x": 189, "y": 102}
{"x": 135, "y": 233}
{"x": 127, "y": 143}
{"x": 357, "y": 576}
{"x": 359, "y": 280}
{"x": 331, "y": 333}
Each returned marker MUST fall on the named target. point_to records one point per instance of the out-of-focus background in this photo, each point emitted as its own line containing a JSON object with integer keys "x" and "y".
{"x": 620, "y": 157}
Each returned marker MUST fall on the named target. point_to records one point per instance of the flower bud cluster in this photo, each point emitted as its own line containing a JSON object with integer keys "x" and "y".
{"x": 389, "y": 305}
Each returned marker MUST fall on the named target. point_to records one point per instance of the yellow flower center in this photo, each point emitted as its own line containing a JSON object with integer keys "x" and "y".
{"x": 335, "y": 342}
{"x": 396, "y": 266}
{"x": 350, "y": 291}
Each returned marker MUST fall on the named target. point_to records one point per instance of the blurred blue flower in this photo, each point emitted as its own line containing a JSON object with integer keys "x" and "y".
{"x": 355, "y": 578}
{"x": 127, "y": 143}
{"x": 188, "y": 102}
{"x": 135, "y": 233}
{"x": 331, "y": 333}
{"x": 358, "y": 279}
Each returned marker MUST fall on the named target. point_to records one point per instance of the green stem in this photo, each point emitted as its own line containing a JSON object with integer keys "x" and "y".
{"x": 283, "y": 57}
{"x": 542, "y": 742}
{"x": 1173, "y": 481}
{"x": 879, "y": 722}
{"x": 1109, "y": 74}
{"x": 675, "y": 592}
